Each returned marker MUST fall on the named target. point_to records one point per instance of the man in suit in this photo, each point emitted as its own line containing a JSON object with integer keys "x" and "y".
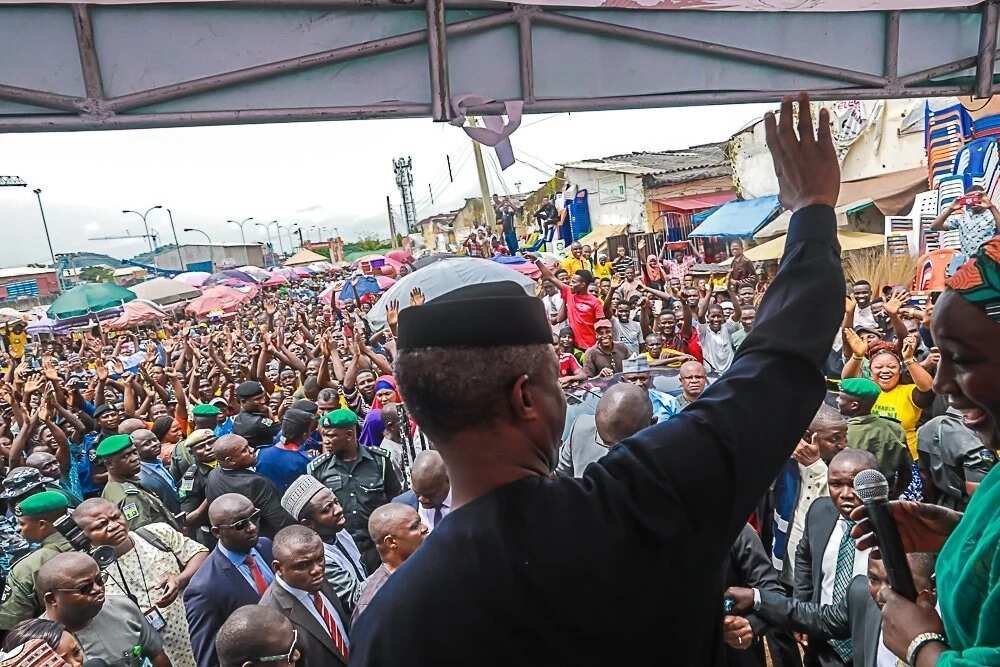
{"x": 826, "y": 560}
{"x": 236, "y": 573}
{"x": 235, "y": 475}
{"x": 431, "y": 492}
{"x": 301, "y": 594}
{"x": 667, "y": 502}
{"x": 240, "y": 641}
{"x": 858, "y": 616}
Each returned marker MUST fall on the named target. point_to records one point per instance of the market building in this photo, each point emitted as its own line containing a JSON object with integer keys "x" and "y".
{"x": 27, "y": 282}
{"x": 204, "y": 257}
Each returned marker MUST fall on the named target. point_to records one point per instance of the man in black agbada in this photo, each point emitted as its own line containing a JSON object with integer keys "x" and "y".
{"x": 534, "y": 570}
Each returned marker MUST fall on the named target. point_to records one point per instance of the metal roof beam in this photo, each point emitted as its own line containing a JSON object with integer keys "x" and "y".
{"x": 437, "y": 61}
{"x": 40, "y": 98}
{"x": 987, "y": 48}
{"x": 89, "y": 63}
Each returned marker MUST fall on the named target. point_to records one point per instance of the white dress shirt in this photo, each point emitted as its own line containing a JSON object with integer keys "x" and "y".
{"x": 885, "y": 657}
{"x": 830, "y": 561}
{"x": 812, "y": 485}
{"x": 306, "y": 599}
{"x": 427, "y": 515}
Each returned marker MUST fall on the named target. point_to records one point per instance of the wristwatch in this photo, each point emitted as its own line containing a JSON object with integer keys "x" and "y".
{"x": 921, "y": 641}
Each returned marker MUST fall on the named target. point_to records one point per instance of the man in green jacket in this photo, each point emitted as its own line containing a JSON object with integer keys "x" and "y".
{"x": 881, "y": 436}
{"x": 137, "y": 505}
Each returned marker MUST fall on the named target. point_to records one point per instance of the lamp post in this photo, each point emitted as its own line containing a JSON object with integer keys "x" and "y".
{"x": 177, "y": 244}
{"x": 48, "y": 239}
{"x": 270, "y": 245}
{"x": 240, "y": 223}
{"x": 149, "y": 237}
{"x": 211, "y": 257}
{"x": 277, "y": 227}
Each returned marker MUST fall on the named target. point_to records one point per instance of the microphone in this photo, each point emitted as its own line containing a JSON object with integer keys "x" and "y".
{"x": 872, "y": 489}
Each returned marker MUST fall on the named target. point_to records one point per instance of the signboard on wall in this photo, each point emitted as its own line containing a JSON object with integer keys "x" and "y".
{"x": 611, "y": 188}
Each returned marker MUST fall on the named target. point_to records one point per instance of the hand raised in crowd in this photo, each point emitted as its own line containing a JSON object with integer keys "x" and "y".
{"x": 909, "y": 348}
{"x": 101, "y": 371}
{"x": 806, "y": 165}
{"x": 923, "y": 528}
{"x": 850, "y": 305}
{"x": 895, "y": 302}
{"x": 392, "y": 313}
{"x": 858, "y": 346}
{"x": 417, "y": 297}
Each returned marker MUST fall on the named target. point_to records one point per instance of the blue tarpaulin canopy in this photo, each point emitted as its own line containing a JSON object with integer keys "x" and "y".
{"x": 739, "y": 218}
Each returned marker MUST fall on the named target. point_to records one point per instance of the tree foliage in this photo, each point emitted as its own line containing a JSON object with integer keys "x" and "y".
{"x": 97, "y": 274}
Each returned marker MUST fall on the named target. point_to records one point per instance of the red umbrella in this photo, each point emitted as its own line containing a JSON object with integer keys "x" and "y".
{"x": 224, "y": 299}
{"x": 276, "y": 280}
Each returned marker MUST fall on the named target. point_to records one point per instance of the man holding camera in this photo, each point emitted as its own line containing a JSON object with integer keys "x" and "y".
{"x": 36, "y": 517}
{"x": 978, "y": 221}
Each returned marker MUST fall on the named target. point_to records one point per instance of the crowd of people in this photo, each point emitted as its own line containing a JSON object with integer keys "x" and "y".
{"x": 292, "y": 487}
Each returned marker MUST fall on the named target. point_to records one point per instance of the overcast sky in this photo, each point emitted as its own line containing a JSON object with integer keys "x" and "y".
{"x": 333, "y": 174}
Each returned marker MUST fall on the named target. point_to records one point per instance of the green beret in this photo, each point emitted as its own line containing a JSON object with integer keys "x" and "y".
{"x": 205, "y": 410}
{"x": 861, "y": 388}
{"x": 342, "y": 418}
{"x": 45, "y": 502}
{"x": 113, "y": 445}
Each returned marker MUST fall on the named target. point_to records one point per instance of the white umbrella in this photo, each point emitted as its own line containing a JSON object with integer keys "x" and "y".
{"x": 443, "y": 277}
{"x": 10, "y": 315}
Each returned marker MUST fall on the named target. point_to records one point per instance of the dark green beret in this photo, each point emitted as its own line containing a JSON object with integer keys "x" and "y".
{"x": 113, "y": 444}
{"x": 861, "y": 388}
{"x": 342, "y": 418}
{"x": 45, "y": 502}
{"x": 205, "y": 410}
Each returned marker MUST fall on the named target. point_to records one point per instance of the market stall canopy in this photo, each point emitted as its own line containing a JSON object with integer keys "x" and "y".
{"x": 220, "y": 299}
{"x": 88, "y": 298}
{"x": 849, "y": 240}
{"x": 892, "y": 193}
{"x": 696, "y": 202}
{"x": 739, "y": 219}
{"x": 598, "y": 236}
{"x": 304, "y": 256}
{"x": 135, "y": 313}
{"x": 116, "y": 64}
{"x": 11, "y": 315}
{"x": 193, "y": 278}
{"x": 165, "y": 291}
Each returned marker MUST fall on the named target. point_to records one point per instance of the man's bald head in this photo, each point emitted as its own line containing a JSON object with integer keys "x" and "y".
{"x": 858, "y": 459}
{"x": 623, "y": 411}
{"x": 397, "y": 531}
{"x": 227, "y": 445}
{"x": 130, "y": 426}
{"x": 240, "y": 638}
{"x": 227, "y": 508}
{"x": 292, "y": 537}
{"x": 61, "y": 569}
{"x": 429, "y": 479}
{"x": 388, "y": 518}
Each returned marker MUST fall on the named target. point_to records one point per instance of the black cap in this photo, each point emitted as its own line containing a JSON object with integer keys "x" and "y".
{"x": 299, "y": 417}
{"x": 249, "y": 389}
{"x": 487, "y": 315}
{"x": 102, "y": 408}
{"x": 305, "y": 405}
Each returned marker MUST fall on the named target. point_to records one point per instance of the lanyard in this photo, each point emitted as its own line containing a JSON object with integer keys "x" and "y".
{"x": 124, "y": 585}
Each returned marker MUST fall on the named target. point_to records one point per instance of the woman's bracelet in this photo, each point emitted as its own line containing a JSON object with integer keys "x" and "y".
{"x": 919, "y": 642}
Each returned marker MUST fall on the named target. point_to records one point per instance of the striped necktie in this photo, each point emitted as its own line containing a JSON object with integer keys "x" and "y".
{"x": 841, "y": 582}
{"x": 331, "y": 625}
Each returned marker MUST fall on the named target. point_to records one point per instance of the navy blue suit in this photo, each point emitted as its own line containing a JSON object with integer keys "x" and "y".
{"x": 216, "y": 591}
{"x": 408, "y": 498}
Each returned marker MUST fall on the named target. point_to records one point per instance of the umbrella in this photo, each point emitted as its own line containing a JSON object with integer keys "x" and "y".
{"x": 384, "y": 282}
{"x": 401, "y": 256}
{"x": 165, "y": 291}
{"x": 357, "y": 287}
{"x": 88, "y": 298}
{"x": 46, "y": 325}
{"x": 326, "y": 296}
{"x": 225, "y": 299}
{"x": 230, "y": 274}
{"x": 276, "y": 280}
{"x": 137, "y": 312}
{"x": 10, "y": 315}
{"x": 446, "y": 276}
{"x": 193, "y": 278}
{"x": 256, "y": 272}
{"x": 302, "y": 272}
{"x": 520, "y": 265}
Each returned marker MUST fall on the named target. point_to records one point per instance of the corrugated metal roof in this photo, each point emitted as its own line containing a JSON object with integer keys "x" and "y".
{"x": 707, "y": 158}
{"x": 16, "y": 271}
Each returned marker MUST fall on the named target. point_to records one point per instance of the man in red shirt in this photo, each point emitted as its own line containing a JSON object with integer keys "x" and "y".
{"x": 582, "y": 309}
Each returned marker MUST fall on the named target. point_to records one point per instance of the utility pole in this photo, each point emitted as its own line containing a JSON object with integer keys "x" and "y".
{"x": 403, "y": 168}
{"x": 484, "y": 186}
{"x": 451, "y": 178}
{"x": 431, "y": 191}
{"x": 48, "y": 239}
{"x": 392, "y": 220}
{"x": 177, "y": 244}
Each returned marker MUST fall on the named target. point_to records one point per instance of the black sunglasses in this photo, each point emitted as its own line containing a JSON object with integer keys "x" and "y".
{"x": 244, "y": 523}
{"x": 88, "y": 588}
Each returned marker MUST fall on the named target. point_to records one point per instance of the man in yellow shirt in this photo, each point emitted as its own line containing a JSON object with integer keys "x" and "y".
{"x": 576, "y": 261}
{"x": 603, "y": 268}
{"x": 16, "y": 339}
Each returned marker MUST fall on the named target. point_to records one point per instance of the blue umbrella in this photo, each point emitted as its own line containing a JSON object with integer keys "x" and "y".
{"x": 356, "y": 288}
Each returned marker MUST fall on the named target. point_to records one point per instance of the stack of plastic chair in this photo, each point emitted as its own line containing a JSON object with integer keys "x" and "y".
{"x": 945, "y": 133}
{"x": 898, "y": 235}
{"x": 925, "y": 210}
{"x": 988, "y": 126}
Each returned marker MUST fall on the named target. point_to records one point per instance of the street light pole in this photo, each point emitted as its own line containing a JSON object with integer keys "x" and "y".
{"x": 48, "y": 239}
{"x": 270, "y": 244}
{"x": 211, "y": 255}
{"x": 177, "y": 244}
{"x": 240, "y": 223}
{"x": 149, "y": 237}
{"x": 277, "y": 227}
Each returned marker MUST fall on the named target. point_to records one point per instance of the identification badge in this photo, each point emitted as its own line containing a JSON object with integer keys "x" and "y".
{"x": 131, "y": 511}
{"x": 155, "y": 619}
{"x": 187, "y": 485}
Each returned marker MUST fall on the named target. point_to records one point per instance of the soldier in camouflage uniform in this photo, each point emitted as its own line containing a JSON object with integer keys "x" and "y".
{"x": 362, "y": 478}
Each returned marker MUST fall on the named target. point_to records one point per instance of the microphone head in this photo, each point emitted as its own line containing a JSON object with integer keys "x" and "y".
{"x": 871, "y": 485}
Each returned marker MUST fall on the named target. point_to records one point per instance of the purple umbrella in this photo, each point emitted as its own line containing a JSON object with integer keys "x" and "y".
{"x": 231, "y": 274}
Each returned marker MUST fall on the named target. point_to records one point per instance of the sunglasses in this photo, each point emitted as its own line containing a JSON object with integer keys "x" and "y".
{"x": 244, "y": 523}
{"x": 88, "y": 588}
{"x": 280, "y": 658}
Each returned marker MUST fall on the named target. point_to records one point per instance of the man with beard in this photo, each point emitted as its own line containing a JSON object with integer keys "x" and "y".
{"x": 137, "y": 505}
{"x": 110, "y": 628}
{"x": 314, "y": 506}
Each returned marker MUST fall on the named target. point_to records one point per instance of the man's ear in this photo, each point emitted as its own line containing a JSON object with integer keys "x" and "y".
{"x": 522, "y": 401}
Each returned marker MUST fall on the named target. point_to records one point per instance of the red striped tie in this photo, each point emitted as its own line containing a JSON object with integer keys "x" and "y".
{"x": 331, "y": 625}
